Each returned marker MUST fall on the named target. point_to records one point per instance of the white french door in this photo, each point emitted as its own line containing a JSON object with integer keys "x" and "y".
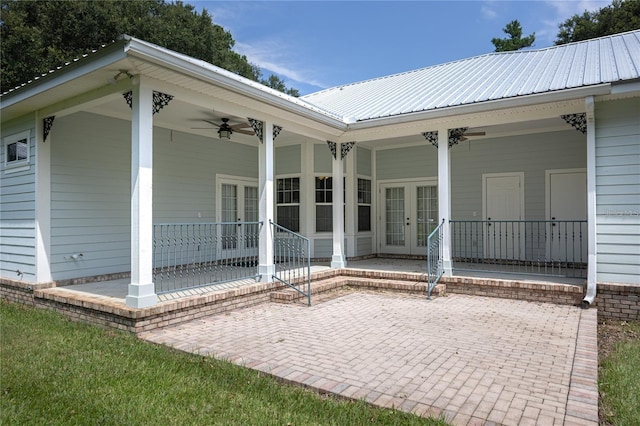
{"x": 237, "y": 203}
{"x": 408, "y": 213}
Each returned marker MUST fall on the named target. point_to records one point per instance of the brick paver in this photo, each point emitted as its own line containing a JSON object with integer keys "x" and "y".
{"x": 476, "y": 360}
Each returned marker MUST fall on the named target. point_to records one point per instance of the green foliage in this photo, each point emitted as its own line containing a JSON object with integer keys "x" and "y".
{"x": 515, "y": 41}
{"x": 618, "y": 17}
{"x": 57, "y": 372}
{"x": 38, "y": 36}
{"x": 619, "y": 378}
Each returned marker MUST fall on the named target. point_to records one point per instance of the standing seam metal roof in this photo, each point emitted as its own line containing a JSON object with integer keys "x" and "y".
{"x": 488, "y": 77}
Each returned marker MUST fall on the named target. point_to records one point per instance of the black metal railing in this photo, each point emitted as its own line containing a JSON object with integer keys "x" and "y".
{"x": 545, "y": 247}
{"x": 191, "y": 255}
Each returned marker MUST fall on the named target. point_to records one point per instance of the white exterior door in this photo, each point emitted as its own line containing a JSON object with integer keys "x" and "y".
{"x": 237, "y": 203}
{"x": 503, "y": 204}
{"x": 408, "y": 214}
{"x": 567, "y": 201}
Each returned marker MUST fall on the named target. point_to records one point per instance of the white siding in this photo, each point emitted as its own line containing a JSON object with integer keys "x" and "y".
{"x": 17, "y": 210}
{"x": 91, "y": 188}
{"x": 618, "y": 190}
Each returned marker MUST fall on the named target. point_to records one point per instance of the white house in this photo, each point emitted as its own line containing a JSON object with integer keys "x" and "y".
{"x": 528, "y": 159}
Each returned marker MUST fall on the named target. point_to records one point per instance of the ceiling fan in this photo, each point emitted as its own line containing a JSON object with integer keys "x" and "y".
{"x": 225, "y": 129}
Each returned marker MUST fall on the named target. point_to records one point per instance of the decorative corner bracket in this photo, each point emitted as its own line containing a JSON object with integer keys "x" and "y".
{"x": 160, "y": 100}
{"x": 47, "y": 123}
{"x": 332, "y": 148}
{"x": 431, "y": 137}
{"x": 579, "y": 121}
{"x": 345, "y": 148}
{"x": 258, "y": 127}
{"x": 455, "y": 135}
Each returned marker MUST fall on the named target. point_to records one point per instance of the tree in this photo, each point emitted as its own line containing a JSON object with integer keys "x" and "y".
{"x": 619, "y": 16}
{"x": 276, "y": 83}
{"x": 515, "y": 40}
{"x": 38, "y": 36}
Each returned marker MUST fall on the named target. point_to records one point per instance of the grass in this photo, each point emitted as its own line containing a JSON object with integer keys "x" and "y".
{"x": 55, "y": 371}
{"x": 619, "y": 374}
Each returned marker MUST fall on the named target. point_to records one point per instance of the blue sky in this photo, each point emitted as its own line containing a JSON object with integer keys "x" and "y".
{"x": 313, "y": 45}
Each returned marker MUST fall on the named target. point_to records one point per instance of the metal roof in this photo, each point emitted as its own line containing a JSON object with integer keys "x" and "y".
{"x": 487, "y": 77}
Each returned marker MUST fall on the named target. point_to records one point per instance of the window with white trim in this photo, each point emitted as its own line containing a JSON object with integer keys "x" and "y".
{"x": 16, "y": 150}
{"x": 324, "y": 203}
{"x": 288, "y": 203}
{"x": 364, "y": 204}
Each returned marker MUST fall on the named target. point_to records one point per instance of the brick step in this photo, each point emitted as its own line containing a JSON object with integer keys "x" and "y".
{"x": 289, "y": 295}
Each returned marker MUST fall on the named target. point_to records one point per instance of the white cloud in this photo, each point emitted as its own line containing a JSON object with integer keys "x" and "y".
{"x": 488, "y": 9}
{"x": 563, "y": 10}
{"x": 275, "y": 56}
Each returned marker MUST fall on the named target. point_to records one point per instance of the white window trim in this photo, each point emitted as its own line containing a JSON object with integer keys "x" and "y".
{"x": 18, "y": 165}
{"x": 300, "y": 197}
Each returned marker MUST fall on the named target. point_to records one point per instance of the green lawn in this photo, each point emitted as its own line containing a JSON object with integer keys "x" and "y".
{"x": 619, "y": 375}
{"x": 55, "y": 371}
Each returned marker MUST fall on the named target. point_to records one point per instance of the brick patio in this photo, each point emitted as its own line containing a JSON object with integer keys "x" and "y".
{"x": 475, "y": 360}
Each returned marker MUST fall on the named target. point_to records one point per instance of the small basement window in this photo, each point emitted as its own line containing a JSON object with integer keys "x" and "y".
{"x": 16, "y": 150}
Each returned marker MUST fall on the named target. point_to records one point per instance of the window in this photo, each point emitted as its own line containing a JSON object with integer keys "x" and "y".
{"x": 324, "y": 200}
{"x": 324, "y": 203}
{"x": 17, "y": 149}
{"x": 288, "y": 203}
{"x": 364, "y": 205}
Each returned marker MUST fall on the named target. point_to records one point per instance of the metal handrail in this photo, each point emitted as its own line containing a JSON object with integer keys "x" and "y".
{"x": 292, "y": 259}
{"x": 435, "y": 268}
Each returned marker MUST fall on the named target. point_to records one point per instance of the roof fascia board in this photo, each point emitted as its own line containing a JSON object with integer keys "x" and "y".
{"x": 167, "y": 59}
{"x": 84, "y": 66}
{"x": 501, "y": 104}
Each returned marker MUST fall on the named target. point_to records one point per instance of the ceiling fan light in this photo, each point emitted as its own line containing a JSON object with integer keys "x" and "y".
{"x": 224, "y": 134}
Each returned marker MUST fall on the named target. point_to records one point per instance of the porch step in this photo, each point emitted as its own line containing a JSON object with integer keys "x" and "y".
{"x": 340, "y": 283}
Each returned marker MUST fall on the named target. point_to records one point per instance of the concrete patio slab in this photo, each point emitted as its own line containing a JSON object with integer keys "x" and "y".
{"x": 475, "y": 360}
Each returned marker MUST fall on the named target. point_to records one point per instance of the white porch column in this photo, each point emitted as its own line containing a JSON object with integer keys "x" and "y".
{"x": 351, "y": 206}
{"x": 592, "y": 249}
{"x": 266, "y": 171}
{"x": 141, "y": 291}
{"x": 444, "y": 197}
{"x": 43, "y": 204}
{"x": 338, "y": 259}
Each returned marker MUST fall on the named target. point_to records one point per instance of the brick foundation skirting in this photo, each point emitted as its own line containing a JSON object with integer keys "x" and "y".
{"x": 613, "y": 301}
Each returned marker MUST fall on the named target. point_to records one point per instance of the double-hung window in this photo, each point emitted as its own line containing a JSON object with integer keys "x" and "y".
{"x": 364, "y": 205}
{"x": 324, "y": 203}
{"x": 288, "y": 203}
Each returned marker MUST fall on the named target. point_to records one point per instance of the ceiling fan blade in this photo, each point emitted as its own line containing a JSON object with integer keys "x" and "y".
{"x": 475, "y": 134}
{"x": 212, "y": 122}
{"x": 244, "y": 132}
{"x": 240, "y": 126}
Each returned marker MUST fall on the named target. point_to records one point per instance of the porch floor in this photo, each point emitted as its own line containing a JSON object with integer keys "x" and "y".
{"x": 118, "y": 288}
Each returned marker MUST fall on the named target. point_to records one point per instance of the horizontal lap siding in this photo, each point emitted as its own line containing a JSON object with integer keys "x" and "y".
{"x": 17, "y": 211}
{"x": 91, "y": 194}
{"x": 531, "y": 154}
{"x": 618, "y": 190}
